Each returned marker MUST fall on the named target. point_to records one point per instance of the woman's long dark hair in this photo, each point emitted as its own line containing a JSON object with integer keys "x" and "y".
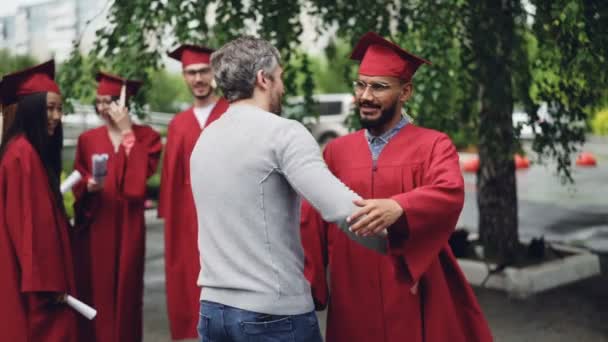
{"x": 31, "y": 121}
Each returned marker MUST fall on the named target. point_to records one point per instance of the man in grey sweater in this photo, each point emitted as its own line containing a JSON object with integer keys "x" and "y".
{"x": 248, "y": 170}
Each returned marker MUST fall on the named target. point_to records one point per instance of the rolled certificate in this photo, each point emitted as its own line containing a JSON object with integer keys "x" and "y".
{"x": 69, "y": 182}
{"x": 99, "y": 167}
{"x": 81, "y": 307}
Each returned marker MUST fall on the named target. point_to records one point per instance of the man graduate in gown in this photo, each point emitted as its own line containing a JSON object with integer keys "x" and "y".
{"x": 417, "y": 292}
{"x": 176, "y": 203}
{"x": 35, "y": 256}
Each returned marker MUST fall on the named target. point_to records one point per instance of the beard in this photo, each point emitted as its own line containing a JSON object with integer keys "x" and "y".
{"x": 204, "y": 95}
{"x": 385, "y": 116}
{"x": 276, "y": 106}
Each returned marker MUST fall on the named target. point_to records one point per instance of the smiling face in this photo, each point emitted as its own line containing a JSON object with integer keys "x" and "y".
{"x": 199, "y": 78}
{"x": 54, "y": 110}
{"x": 379, "y": 100}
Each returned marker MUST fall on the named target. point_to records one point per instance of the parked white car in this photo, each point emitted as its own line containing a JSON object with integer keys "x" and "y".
{"x": 333, "y": 110}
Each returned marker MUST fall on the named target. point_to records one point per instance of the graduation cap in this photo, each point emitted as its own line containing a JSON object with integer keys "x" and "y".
{"x": 191, "y": 54}
{"x": 112, "y": 85}
{"x": 37, "y": 79}
{"x": 380, "y": 57}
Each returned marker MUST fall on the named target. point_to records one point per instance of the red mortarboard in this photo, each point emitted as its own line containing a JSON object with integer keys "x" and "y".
{"x": 37, "y": 79}
{"x": 380, "y": 57}
{"x": 111, "y": 84}
{"x": 191, "y": 54}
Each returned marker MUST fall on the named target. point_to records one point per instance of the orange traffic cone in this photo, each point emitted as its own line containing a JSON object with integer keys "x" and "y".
{"x": 521, "y": 162}
{"x": 586, "y": 159}
{"x": 471, "y": 165}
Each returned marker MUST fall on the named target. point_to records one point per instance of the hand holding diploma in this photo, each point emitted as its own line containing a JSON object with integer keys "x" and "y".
{"x": 99, "y": 167}
{"x": 69, "y": 182}
{"x": 79, "y": 306}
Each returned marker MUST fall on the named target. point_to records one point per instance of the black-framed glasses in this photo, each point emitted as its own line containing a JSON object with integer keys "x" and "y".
{"x": 202, "y": 71}
{"x": 376, "y": 88}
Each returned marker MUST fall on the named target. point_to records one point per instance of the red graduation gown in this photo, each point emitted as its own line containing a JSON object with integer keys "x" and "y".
{"x": 417, "y": 292}
{"x": 176, "y": 206}
{"x": 109, "y": 243}
{"x": 35, "y": 256}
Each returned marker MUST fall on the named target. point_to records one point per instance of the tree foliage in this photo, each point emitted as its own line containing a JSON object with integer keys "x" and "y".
{"x": 10, "y": 63}
{"x": 168, "y": 92}
{"x": 487, "y": 56}
{"x": 568, "y": 73}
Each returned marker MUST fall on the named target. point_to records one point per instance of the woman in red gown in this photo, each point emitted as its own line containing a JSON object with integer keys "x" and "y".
{"x": 35, "y": 256}
{"x": 110, "y": 241}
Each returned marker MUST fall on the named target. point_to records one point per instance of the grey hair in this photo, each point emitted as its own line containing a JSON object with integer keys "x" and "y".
{"x": 237, "y": 63}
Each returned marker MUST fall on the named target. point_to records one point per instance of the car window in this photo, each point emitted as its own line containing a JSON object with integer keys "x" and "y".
{"x": 330, "y": 108}
{"x": 325, "y": 108}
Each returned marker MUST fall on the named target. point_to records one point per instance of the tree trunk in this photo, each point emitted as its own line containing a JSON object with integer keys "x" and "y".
{"x": 492, "y": 33}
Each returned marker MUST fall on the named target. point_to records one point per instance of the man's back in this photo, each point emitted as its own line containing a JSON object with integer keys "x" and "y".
{"x": 247, "y": 170}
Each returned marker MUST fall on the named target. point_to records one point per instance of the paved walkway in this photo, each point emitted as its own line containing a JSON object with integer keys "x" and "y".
{"x": 578, "y": 312}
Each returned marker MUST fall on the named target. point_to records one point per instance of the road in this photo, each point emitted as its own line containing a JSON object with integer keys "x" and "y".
{"x": 576, "y": 213}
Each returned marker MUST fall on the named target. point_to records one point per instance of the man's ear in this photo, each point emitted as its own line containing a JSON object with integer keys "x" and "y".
{"x": 407, "y": 90}
{"x": 261, "y": 80}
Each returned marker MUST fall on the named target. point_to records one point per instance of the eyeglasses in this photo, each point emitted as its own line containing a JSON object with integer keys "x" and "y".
{"x": 375, "y": 88}
{"x": 201, "y": 71}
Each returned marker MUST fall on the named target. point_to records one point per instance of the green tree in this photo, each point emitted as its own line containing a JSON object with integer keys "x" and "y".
{"x": 487, "y": 56}
{"x": 333, "y": 71}
{"x": 11, "y": 63}
{"x": 76, "y": 79}
{"x": 167, "y": 92}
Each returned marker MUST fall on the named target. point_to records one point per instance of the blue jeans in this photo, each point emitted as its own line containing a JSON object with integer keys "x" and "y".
{"x": 222, "y": 323}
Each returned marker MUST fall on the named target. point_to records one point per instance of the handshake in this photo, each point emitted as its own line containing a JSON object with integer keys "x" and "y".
{"x": 374, "y": 217}
{"x": 368, "y": 226}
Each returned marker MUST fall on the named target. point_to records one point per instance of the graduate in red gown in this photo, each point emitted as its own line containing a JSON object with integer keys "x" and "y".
{"x": 176, "y": 204}
{"x": 110, "y": 240}
{"x": 35, "y": 256}
{"x": 417, "y": 292}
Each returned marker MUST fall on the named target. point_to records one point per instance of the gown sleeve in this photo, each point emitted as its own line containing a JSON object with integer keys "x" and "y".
{"x": 139, "y": 164}
{"x": 170, "y": 162}
{"x": 313, "y": 231}
{"x": 34, "y": 227}
{"x": 86, "y": 203}
{"x": 431, "y": 212}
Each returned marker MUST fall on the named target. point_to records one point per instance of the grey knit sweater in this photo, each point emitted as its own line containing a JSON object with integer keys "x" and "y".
{"x": 248, "y": 170}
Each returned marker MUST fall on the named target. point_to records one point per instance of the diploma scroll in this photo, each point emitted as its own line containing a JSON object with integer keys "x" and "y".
{"x": 99, "y": 167}
{"x": 69, "y": 182}
{"x": 80, "y": 307}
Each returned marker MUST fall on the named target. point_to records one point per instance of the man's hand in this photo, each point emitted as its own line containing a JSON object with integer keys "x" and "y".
{"x": 375, "y": 216}
{"x": 120, "y": 116}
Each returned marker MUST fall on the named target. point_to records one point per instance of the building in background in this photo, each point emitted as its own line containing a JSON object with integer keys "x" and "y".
{"x": 7, "y": 32}
{"x": 47, "y": 29}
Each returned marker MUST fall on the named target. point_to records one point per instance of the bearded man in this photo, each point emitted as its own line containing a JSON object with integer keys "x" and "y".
{"x": 176, "y": 204}
{"x": 417, "y": 292}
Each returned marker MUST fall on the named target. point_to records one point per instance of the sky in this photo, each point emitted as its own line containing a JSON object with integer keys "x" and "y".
{"x": 9, "y": 7}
